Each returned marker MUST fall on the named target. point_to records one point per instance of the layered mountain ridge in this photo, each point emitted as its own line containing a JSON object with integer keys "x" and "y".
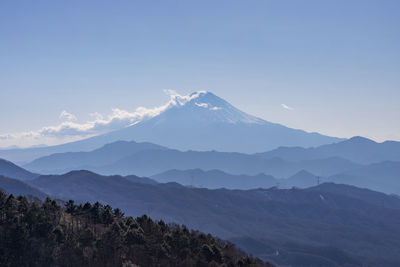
{"x": 146, "y": 159}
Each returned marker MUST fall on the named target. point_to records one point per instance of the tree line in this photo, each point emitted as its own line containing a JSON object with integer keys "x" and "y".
{"x": 54, "y": 233}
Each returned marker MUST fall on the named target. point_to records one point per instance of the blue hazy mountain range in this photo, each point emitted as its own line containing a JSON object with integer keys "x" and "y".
{"x": 382, "y": 177}
{"x": 357, "y": 149}
{"x": 200, "y": 121}
{"x": 215, "y": 179}
{"x": 147, "y": 160}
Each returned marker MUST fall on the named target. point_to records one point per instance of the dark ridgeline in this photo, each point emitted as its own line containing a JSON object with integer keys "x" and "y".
{"x": 35, "y": 233}
{"x": 17, "y": 187}
{"x": 9, "y": 169}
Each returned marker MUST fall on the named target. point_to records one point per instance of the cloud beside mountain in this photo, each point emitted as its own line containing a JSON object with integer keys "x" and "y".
{"x": 286, "y": 107}
{"x": 70, "y": 130}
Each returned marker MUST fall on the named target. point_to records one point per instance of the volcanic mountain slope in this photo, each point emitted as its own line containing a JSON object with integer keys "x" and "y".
{"x": 199, "y": 121}
{"x": 307, "y": 226}
{"x": 204, "y": 121}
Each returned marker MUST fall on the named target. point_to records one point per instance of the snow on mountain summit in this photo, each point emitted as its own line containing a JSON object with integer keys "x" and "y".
{"x": 204, "y": 105}
{"x": 181, "y": 100}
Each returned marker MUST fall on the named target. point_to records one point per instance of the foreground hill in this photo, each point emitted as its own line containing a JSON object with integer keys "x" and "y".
{"x": 319, "y": 226}
{"x": 44, "y": 234}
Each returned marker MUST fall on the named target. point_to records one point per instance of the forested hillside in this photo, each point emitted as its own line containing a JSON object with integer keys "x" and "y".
{"x": 44, "y": 234}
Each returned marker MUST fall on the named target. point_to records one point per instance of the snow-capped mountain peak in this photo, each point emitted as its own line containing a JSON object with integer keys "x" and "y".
{"x": 206, "y": 106}
{"x": 181, "y": 100}
{"x": 204, "y": 121}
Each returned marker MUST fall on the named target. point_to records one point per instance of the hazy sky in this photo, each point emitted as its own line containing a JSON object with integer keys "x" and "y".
{"x": 326, "y": 66}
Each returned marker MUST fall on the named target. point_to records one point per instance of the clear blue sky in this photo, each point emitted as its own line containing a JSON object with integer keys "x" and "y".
{"x": 336, "y": 63}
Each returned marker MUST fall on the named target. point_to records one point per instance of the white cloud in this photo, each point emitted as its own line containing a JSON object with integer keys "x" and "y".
{"x": 96, "y": 115}
{"x": 116, "y": 120}
{"x": 65, "y": 115}
{"x": 286, "y": 107}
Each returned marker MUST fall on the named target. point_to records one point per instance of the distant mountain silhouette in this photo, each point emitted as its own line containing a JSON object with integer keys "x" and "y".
{"x": 109, "y": 153}
{"x": 383, "y": 177}
{"x": 151, "y": 161}
{"x": 215, "y": 179}
{"x": 357, "y": 149}
{"x": 11, "y": 170}
{"x": 304, "y": 225}
{"x": 302, "y": 179}
{"x": 199, "y": 121}
{"x": 16, "y": 187}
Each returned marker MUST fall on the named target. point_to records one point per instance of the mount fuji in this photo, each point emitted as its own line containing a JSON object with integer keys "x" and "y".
{"x": 204, "y": 121}
{"x": 199, "y": 121}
